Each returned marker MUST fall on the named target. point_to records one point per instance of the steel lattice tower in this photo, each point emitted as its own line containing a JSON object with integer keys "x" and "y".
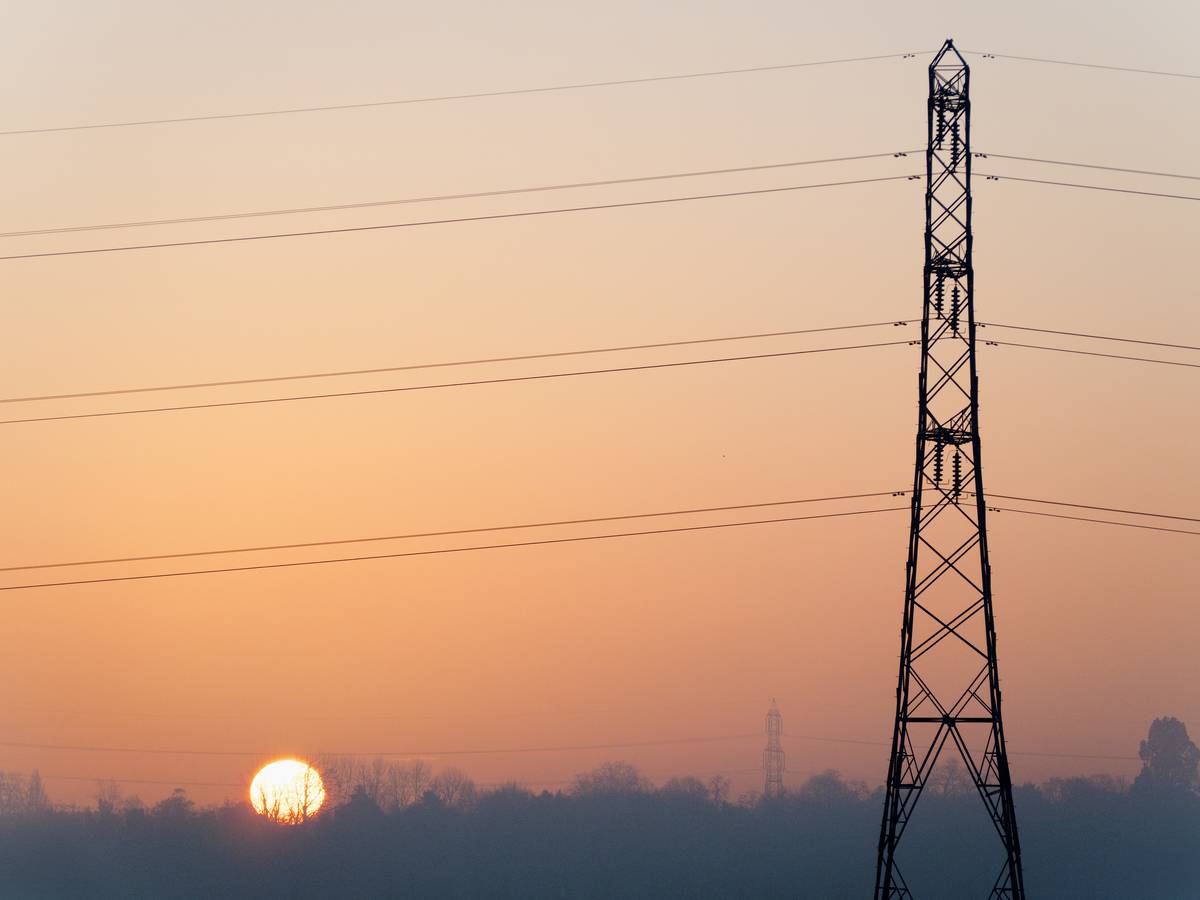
{"x": 949, "y": 690}
{"x": 773, "y": 755}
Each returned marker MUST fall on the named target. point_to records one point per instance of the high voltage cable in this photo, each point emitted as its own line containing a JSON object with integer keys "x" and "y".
{"x": 342, "y": 207}
{"x": 447, "y": 550}
{"x": 455, "y": 384}
{"x": 512, "y": 379}
{"x": 1097, "y": 337}
{"x": 555, "y": 524}
{"x": 1089, "y": 187}
{"x": 1082, "y": 65}
{"x": 441, "y": 365}
{"x": 504, "y": 192}
{"x": 1111, "y": 509}
{"x": 1145, "y": 359}
{"x": 356, "y": 229}
{"x": 484, "y": 751}
{"x": 554, "y": 541}
{"x": 580, "y": 85}
{"x": 450, "y": 533}
{"x": 1032, "y": 512}
{"x": 662, "y": 742}
{"x": 1059, "y": 162}
{"x": 566, "y": 353}
{"x": 630, "y": 204}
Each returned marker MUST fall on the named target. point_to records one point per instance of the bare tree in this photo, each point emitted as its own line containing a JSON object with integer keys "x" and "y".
{"x": 718, "y": 790}
{"x": 611, "y": 778}
{"x": 36, "y": 799}
{"x": 454, "y": 788}
{"x": 13, "y": 794}
{"x": 410, "y": 782}
{"x": 108, "y": 797}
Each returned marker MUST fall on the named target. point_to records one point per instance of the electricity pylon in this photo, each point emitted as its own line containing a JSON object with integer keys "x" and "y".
{"x": 949, "y": 689}
{"x": 773, "y": 755}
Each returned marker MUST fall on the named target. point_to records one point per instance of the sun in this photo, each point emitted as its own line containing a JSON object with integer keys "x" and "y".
{"x": 288, "y": 791}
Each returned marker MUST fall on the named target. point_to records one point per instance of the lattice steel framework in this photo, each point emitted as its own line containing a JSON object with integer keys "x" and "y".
{"x": 773, "y": 757}
{"x": 949, "y": 690}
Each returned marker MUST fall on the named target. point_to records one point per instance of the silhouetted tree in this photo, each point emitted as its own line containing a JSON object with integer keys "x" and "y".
{"x": 1169, "y": 758}
{"x": 687, "y": 787}
{"x": 12, "y": 794}
{"x": 36, "y": 800}
{"x": 614, "y": 779}
{"x": 718, "y": 790}
{"x": 453, "y": 788}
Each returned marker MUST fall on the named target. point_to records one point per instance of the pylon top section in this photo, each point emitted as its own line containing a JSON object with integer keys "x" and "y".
{"x": 948, "y": 56}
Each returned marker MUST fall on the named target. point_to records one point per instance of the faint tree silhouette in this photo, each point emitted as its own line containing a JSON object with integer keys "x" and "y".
{"x": 687, "y": 787}
{"x": 454, "y": 789}
{"x": 613, "y": 779}
{"x": 108, "y": 797}
{"x": 718, "y": 790}
{"x": 36, "y": 799}
{"x": 1169, "y": 758}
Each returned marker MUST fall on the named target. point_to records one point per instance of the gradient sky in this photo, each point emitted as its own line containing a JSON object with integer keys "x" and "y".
{"x": 633, "y": 640}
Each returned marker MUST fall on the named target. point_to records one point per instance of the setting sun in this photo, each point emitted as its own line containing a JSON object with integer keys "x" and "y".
{"x": 287, "y": 791}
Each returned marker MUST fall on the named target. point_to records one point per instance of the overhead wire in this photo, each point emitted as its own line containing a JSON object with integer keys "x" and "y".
{"x": 1143, "y": 359}
{"x": 520, "y": 526}
{"x": 557, "y": 354}
{"x": 899, "y": 322}
{"x": 491, "y": 217}
{"x": 511, "y": 379}
{"x": 475, "y": 95}
{"x": 1082, "y": 65}
{"x": 592, "y": 520}
{"x": 1111, "y": 509}
{"x": 1097, "y": 337}
{"x": 1033, "y": 512}
{"x": 446, "y": 550}
{"x": 482, "y": 751}
{"x": 575, "y": 185}
{"x": 434, "y": 198}
{"x": 568, "y": 540}
{"x": 1077, "y": 165}
{"x": 1090, "y": 187}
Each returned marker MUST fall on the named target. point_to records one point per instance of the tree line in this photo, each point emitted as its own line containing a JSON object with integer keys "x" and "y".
{"x": 404, "y": 830}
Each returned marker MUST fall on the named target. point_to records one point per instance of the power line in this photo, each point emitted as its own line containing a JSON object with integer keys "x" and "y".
{"x": 1031, "y": 512}
{"x": 579, "y": 85}
{"x": 1077, "y": 165}
{"x": 1111, "y": 509}
{"x": 451, "y": 533}
{"x": 355, "y": 229}
{"x": 433, "y": 198}
{"x": 441, "y": 365}
{"x": 1144, "y": 359}
{"x": 455, "y": 384}
{"x": 487, "y": 751}
{"x": 372, "y": 204}
{"x": 1098, "y": 337}
{"x": 444, "y": 551}
{"x": 177, "y": 784}
{"x": 558, "y": 354}
{"x": 1082, "y": 65}
{"x": 560, "y": 523}
{"x": 1090, "y": 187}
{"x": 513, "y": 379}
{"x": 552, "y": 541}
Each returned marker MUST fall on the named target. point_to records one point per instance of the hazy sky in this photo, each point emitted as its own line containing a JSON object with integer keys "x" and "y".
{"x": 599, "y": 642}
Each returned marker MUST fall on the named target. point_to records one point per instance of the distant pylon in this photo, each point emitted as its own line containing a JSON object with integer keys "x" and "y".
{"x": 949, "y": 687}
{"x": 773, "y": 755}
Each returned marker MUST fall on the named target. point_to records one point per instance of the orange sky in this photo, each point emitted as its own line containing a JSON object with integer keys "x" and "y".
{"x": 612, "y": 641}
